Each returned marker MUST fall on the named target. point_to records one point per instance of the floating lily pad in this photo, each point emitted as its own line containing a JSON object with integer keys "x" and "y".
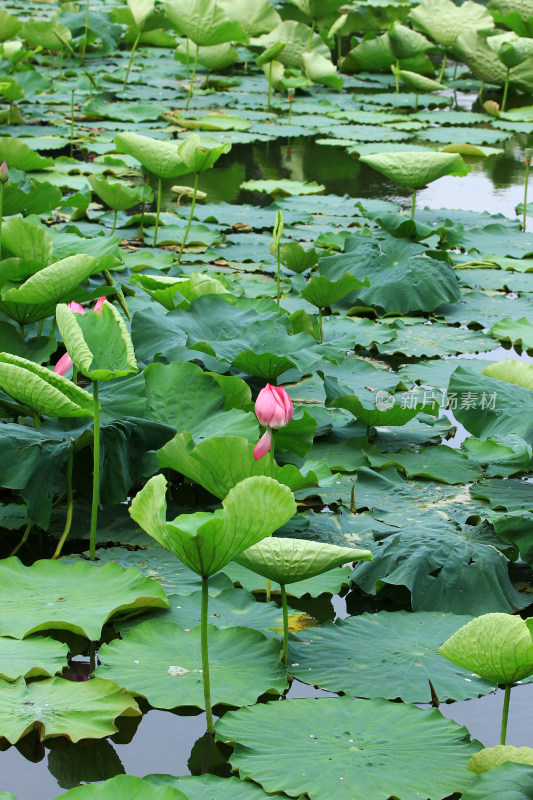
{"x": 217, "y": 788}
{"x": 285, "y": 188}
{"x": 31, "y": 657}
{"x": 124, "y": 787}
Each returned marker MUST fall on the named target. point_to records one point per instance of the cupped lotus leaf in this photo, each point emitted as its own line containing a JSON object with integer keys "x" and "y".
{"x": 415, "y": 169}
{"x": 497, "y": 647}
{"x": 296, "y": 258}
{"x": 198, "y": 787}
{"x": 270, "y": 55}
{"x": 17, "y": 154}
{"x": 317, "y": 9}
{"x": 512, "y": 781}
{"x": 199, "y": 153}
{"x": 349, "y": 749}
{"x": 292, "y": 560}
{"x": 480, "y": 53}
{"x": 41, "y": 389}
{"x": 57, "y": 707}
{"x": 123, "y": 787}
{"x": 31, "y": 658}
{"x": 387, "y": 655}
{"x": 173, "y": 292}
{"x": 255, "y": 16}
{"x": 285, "y": 188}
{"x": 28, "y": 241}
{"x": 117, "y": 194}
{"x": 492, "y": 757}
{"x": 217, "y": 58}
{"x": 516, "y": 372}
{"x": 443, "y": 20}
{"x": 140, "y": 11}
{"x": 253, "y": 509}
{"x": 9, "y": 25}
{"x": 45, "y": 33}
{"x": 383, "y": 408}
{"x": 320, "y": 69}
{"x": 159, "y": 157}
{"x": 79, "y": 597}
{"x": 99, "y": 343}
{"x": 205, "y": 22}
{"x": 515, "y": 52}
{"x": 322, "y": 291}
{"x": 417, "y": 82}
{"x": 406, "y": 43}
{"x": 296, "y": 36}
{"x": 163, "y": 662}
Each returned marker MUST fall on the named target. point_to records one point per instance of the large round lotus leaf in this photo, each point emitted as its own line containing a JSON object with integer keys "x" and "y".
{"x": 78, "y": 597}
{"x": 416, "y": 170}
{"x": 444, "y": 21}
{"x": 328, "y": 583}
{"x": 292, "y": 560}
{"x": 32, "y": 657}
{"x": 162, "y": 662}
{"x": 230, "y": 608}
{"x": 384, "y": 655}
{"x": 123, "y": 787}
{"x": 253, "y": 509}
{"x": 57, "y": 707}
{"x": 510, "y": 781}
{"x": 406, "y": 43}
{"x": 204, "y": 22}
{"x": 201, "y": 787}
{"x": 492, "y": 757}
{"x": 498, "y": 647}
{"x": 349, "y": 749}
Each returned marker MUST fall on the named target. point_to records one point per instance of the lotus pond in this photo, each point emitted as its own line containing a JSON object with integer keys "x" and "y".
{"x": 266, "y": 396}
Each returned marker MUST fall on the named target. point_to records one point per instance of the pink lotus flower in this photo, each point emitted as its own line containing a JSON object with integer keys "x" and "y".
{"x": 65, "y": 362}
{"x": 4, "y": 174}
{"x": 274, "y": 410}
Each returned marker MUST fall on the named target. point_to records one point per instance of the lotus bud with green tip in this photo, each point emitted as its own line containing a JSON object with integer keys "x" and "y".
{"x": 4, "y": 174}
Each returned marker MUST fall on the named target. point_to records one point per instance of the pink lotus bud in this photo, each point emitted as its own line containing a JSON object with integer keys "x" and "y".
{"x": 263, "y": 445}
{"x": 4, "y": 175}
{"x": 63, "y": 365}
{"x": 76, "y": 308}
{"x": 273, "y": 407}
{"x": 99, "y": 303}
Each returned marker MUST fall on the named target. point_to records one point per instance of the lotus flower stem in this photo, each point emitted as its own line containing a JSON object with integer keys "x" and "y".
{"x": 70, "y": 506}
{"x": 2, "y": 212}
{"x": 310, "y": 40}
{"x": 269, "y": 86}
{"x": 505, "y": 90}
{"x": 413, "y": 204}
{"x": 397, "y": 78}
{"x": 96, "y": 473}
{"x": 187, "y": 62}
{"x": 321, "y": 326}
{"x": 72, "y": 122}
{"x": 24, "y": 539}
{"x": 114, "y": 223}
{"x": 158, "y": 210}
{"x": 528, "y": 163}
{"x": 505, "y": 712}
{"x": 111, "y": 282}
{"x": 191, "y": 84}
{"x": 271, "y": 473}
{"x": 187, "y": 229}
{"x": 61, "y": 64}
{"x": 205, "y": 656}
{"x": 85, "y": 34}
{"x": 285, "y": 623}
{"x": 443, "y": 67}
{"x": 130, "y": 62}
{"x": 278, "y": 274}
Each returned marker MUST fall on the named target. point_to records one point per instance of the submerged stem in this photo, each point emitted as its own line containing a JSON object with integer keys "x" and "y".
{"x": 96, "y": 473}
{"x": 130, "y": 62}
{"x": 505, "y": 712}
{"x": 189, "y": 94}
{"x": 285, "y": 623}
{"x": 158, "y": 210}
{"x": 70, "y": 506}
{"x": 187, "y": 229}
{"x": 205, "y": 655}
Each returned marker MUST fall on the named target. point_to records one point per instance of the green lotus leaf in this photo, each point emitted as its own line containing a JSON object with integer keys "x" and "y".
{"x": 416, "y": 82}
{"x": 57, "y": 707}
{"x": 480, "y": 53}
{"x": 41, "y": 389}
{"x": 17, "y": 153}
{"x": 361, "y": 741}
{"x": 9, "y": 25}
{"x": 42, "y": 33}
{"x": 123, "y": 787}
{"x": 270, "y": 54}
{"x": 140, "y": 11}
{"x": 28, "y": 241}
{"x": 515, "y": 372}
{"x": 291, "y": 560}
{"x": 389, "y": 654}
{"x": 205, "y": 22}
{"x": 414, "y": 169}
{"x": 285, "y": 188}
{"x": 98, "y": 343}
{"x": 163, "y": 662}
{"x": 327, "y": 583}
{"x": 512, "y": 781}
{"x": 117, "y": 194}
{"x": 517, "y": 331}
{"x": 253, "y": 509}
{"x": 30, "y": 658}
{"x": 323, "y": 292}
{"x": 79, "y": 597}
{"x": 497, "y": 647}
{"x": 255, "y": 16}
{"x": 198, "y": 787}
{"x": 159, "y": 157}
{"x": 296, "y": 36}
{"x": 294, "y": 257}
{"x": 406, "y": 43}
{"x": 320, "y": 69}
{"x": 201, "y": 153}
{"x": 317, "y": 9}
{"x": 174, "y": 292}
{"x": 515, "y": 52}
{"x": 492, "y": 757}
{"x": 443, "y": 20}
